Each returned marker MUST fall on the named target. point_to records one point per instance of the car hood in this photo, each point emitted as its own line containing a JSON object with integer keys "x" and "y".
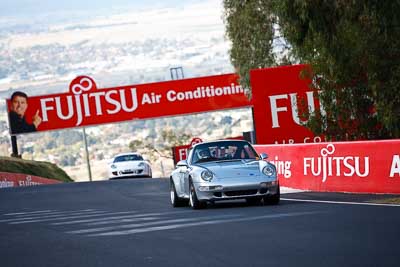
{"x": 231, "y": 169}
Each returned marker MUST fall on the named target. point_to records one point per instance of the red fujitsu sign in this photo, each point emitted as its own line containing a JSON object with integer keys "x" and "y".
{"x": 362, "y": 167}
{"x": 85, "y": 104}
{"x": 278, "y": 97}
{"x": 17, "y": 179}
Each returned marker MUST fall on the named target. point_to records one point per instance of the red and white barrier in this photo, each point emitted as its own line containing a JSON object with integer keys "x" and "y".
{"x": 16, "y": 179}
{"x": 358, "y": 167}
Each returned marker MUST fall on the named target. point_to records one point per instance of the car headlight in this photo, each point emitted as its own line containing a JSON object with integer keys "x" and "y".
{"x": 206, "y": 175}
{"x": 141, "y": 164}
{"x": 113, "y": 166}
{"x": 269, "y": 170}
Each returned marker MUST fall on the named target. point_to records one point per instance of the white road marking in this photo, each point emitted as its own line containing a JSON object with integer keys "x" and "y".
{"x": 26, "y": 213}
{"x": 112, "y": 227}
{"x": 115, "y": 219}
{"x": 341, "y": 202}
{"x": 184, "y": 225}
{"x": 94, "y": 214}
{"x": 132, "y": 219}
{"x": 136, "y": 225}
{"x": 132, "y": 223}
{"x": 98, "y": 219}
{"x": 51, "y": 215}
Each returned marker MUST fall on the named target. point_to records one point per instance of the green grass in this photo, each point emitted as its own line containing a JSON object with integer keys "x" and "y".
{"x": 36, "y": 168}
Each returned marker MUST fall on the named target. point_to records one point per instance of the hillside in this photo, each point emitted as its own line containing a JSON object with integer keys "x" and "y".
{"x": 37, "y": 168}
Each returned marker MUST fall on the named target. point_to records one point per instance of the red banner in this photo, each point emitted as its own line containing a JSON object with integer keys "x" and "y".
{"x": 86, "y": 105}
{"x": 280, "y": 96}
{"x": 16, "y": 179}
{"x": 360, "y": 167}
{"x": 180, "y": 152}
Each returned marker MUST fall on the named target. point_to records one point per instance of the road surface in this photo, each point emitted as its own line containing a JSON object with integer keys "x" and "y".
{"x": 130, "y": 222}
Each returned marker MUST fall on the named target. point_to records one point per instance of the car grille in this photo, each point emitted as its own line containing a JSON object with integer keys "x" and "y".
{"x": 241, "y": 192}
{"x": 218, "y": 194}
{"x": 132, "y": 172}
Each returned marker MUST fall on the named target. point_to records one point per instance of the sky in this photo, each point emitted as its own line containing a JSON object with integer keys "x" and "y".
{"x": 38, "y": 7}
{"x": 192, "y": 27}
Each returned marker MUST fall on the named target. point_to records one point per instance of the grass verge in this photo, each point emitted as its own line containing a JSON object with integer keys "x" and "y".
{"x": 37, "y": 168}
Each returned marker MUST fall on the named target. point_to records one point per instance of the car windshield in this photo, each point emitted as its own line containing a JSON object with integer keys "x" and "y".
{"x": 130, "y": 157}
{"x": 223, "y": 150}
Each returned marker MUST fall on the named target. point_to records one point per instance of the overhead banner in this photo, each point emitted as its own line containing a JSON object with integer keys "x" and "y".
{"x": 357, "y": 167}
{"x": 86, "y": 105}
{"x": 279, "y": 98}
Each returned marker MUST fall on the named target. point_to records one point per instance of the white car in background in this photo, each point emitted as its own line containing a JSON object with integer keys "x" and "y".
{"x": 129, "y": 165}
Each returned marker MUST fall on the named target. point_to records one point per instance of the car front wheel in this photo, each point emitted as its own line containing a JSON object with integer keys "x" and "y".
{"x": 175, "y": 200}
{"x": 194, "y": 202}
{"x": 274, "y": 199}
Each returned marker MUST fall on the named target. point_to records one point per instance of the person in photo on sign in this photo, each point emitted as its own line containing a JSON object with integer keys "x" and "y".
{"x": 18, "y": 123}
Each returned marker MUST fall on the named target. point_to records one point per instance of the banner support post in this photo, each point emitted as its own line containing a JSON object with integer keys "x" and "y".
{"x": 87, "y": 154}
{"x": 14, "y": 146}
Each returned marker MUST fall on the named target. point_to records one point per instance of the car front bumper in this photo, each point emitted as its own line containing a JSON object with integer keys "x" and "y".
{"x": 132, "y": 173}
{"x": 228, "y": 191}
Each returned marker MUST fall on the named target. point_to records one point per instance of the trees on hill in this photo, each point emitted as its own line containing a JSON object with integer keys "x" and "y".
{"x": 353, "y": 48}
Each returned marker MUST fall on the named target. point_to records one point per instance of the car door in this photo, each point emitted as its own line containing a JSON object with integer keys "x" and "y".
{"x": 185, "y": 181}
{"x": 185, "y": 173}
{"x": 181, "y": 171}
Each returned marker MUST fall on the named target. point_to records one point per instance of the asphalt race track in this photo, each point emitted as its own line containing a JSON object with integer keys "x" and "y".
{"x": 130, "y": 222}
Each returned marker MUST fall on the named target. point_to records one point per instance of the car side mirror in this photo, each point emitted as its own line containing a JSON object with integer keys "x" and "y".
{"x": 182, "y": 163}
{"x": 263, "y": 156}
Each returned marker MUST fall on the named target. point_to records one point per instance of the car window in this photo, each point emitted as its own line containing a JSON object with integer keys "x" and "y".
{"x": 132, "y": 157}
{"x": 251, "y": 153}
{"x": 223, "y": 150}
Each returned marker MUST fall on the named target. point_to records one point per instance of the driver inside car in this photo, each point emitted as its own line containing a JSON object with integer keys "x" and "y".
{"x": 204, "y": 154}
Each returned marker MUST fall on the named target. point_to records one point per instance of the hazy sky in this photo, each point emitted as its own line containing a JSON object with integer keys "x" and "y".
{"x": 37, "y": 7}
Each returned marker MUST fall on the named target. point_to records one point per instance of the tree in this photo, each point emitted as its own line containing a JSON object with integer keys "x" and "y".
{"x": 353, "y": 48}
{"x": 162, "y": 146}
{"x": 250, "y": 27}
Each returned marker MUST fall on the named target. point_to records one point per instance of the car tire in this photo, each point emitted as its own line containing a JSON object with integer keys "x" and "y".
{"x": 175, "y": 200}
{"x": 274, "y": 199}
{"x": 194, "y": 202}
{"x": 253, "y": 200}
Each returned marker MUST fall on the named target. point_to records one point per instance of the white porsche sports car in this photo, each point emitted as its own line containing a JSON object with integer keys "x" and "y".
{"x": 223, "y": 170}
{"x": 129, "y": 165}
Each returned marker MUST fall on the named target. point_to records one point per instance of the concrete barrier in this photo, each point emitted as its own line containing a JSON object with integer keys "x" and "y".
{"x": 357, "y": 167}
{"x": 8, "y": 179}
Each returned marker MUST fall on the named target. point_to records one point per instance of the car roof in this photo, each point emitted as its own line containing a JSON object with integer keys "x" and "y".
{"x": 127, "y": 153}
{"x": 222, "y": 140}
